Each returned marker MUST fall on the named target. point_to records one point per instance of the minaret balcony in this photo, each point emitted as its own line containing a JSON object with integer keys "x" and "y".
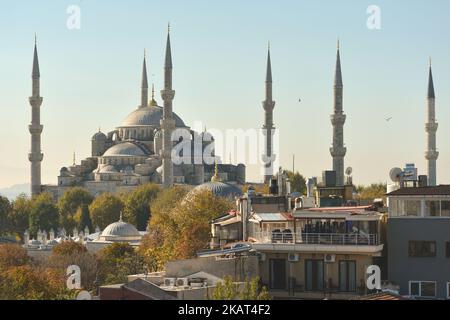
{"x": 35, "y": 128}
{"x": 431, "y": 155}
{"x": 338, "y": 151}
{"x": 338, "y": 119}
{"x": 431, "y": 127}
{"x": 35, "y": 101}
{"x": 167, "y": 94}
{"x": 268, "y": 105}
{"x": 35, "y": 157}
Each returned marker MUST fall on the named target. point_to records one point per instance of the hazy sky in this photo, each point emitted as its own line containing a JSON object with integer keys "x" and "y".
{"x": 91, "y": 77}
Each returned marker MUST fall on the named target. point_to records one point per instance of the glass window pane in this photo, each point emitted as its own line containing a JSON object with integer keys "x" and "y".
{"x": 428, "y": 289}
{"x": 432, "y": 209}
{"x": 308, "y": 275}
{"x": 412, "y": 208}
{"x": 447, "y": 249}
{"x": 445, "y": 208}
{"x": 414, "y": 289}
{"x": 352, "y": 276}
{"x": 319, "y": 275}
{"x": 422, "y": 248}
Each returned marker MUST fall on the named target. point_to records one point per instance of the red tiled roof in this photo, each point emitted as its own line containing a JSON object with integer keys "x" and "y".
{"x": 441, "y": 190}
{"x": 381, "y": 296}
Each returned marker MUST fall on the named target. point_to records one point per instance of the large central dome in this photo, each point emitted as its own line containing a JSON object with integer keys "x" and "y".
{"x": 149, "y": 116}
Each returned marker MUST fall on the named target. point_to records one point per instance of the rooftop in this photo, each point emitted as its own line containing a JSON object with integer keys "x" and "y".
{"x": 441, "y": 190}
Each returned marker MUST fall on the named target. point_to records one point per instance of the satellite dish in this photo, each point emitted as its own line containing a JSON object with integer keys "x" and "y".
{"x": 395, "y": 174}
{"x": 348, "y": 171}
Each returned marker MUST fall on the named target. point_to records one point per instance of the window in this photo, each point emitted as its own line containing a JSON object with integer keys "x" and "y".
{"x": 432, "y": 208}
{"x": 314, "y": 275}
{"x": 445, "y": 208}
{"x": 412, "y": 208}
{"x": 347, "y": 276}
{"x": 423, "y": 289}
{"x": 422, "y": 249}
{"x": 447, "y": 249}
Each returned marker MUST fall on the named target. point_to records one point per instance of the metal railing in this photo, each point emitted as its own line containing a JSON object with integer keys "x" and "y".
{"x": 317, "y": 238}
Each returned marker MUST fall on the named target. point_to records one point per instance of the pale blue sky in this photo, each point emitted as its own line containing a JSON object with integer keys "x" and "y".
{"x": 91, "y": 77}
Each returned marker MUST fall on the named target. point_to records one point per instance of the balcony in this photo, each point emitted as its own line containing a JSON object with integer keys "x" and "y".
{"x": 318, "y": 242}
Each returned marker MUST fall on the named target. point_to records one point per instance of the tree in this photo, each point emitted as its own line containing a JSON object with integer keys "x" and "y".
{"x": 5, "y": 211}
{"x": 43, "y": 214}
{"x": 137, "y": 205}
{"x": 21, "y": 208}
{"x": 105, "y": 209}
{"x": 33, "y": 283}
{"x": 70, "y": 202}
{"x": 12, "y": 255}
{"x": 230, "y": 290}
{"x": 371, "y": 192}
{"x": 180, "y": 228}
{"x": 83, "y": 218}
{"x": 117, "y": 261}
{"x": 72, "y": 253}
{"x": 298, "y": 182}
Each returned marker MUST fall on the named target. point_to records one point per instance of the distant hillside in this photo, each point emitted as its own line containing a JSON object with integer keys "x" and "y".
{"x": 13, "y": 191}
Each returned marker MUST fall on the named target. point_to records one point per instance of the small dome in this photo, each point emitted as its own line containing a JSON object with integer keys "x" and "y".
{"x": 219, "y": 189}
{"x": 120, "y": 229}
{"x": 149, "y": 116}
{"x": 99, "y": 136}
{"x": 124, "y": 149}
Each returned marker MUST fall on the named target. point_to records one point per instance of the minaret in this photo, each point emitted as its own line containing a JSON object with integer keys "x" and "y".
{"x": 268, "y": 128}
{"x": 430, "y": 128}
{"x": 167, "y": 121}
{"x": 35, "y": 128}
{"x": 144, "y": 85}
{"x": 338, "y": 150}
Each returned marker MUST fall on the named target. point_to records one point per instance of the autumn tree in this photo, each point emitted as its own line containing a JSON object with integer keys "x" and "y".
{"x": 371, "y": 192}
{"x": 21, "y": 208}
{"x": 43, "y": 214}
{"x": 180, "y": 226}
{"x": 298, "y": 182}
{"x": 12, "y": 255}
{"x": 69, "y": 203}
{"x": 105, "y": 209}
{"x": 117, "y": 261}
{"x": 5, "y": 211}
{"x": 33, "y": 283}
{"x": 137, "y": 205}
{"x": 83, "y": 218}
{"x": 230, "y": 290}
{"x": 72, "y": 253}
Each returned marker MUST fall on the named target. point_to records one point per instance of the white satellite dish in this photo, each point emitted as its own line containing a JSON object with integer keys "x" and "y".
{"x": 348, "y": 171}
{"x": 395, "y": 174}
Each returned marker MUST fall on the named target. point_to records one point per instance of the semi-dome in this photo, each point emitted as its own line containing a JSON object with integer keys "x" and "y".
{"x": 120, "y": 229}
{"x": 108, "y": 169}
{"x": 124, "y": 149}
{"x": 219, "y": 189}
{"x": 149, "y": 116}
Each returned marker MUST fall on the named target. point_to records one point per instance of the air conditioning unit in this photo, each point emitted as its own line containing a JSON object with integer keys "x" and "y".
{"x": 182, "y": 282}
{"x": 329, "y": 258}
{"x": 169, "y": 282}
{"x": 293, "y": 257}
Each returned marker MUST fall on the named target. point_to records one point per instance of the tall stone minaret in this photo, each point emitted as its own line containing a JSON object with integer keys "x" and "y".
{"x": 338, "y": 150}
{"x": 144, "y": 84}
{"x": 431, "y": 127}
{"x": 35, "y": 128}
{"x": 167, "y": 122}
{"x": 268, "y": 128}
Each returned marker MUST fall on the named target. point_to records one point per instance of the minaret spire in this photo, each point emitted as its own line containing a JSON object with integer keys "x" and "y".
{"x": 268, "y": 127}
{"x": 35, "y": 128}
{"x": 144, "y": 83}
{"x": 431, "y": 127}
{"x": 167, "y": 121}
{"x": 338, "y": 150}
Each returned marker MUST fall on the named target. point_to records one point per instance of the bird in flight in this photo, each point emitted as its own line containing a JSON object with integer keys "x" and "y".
{"x": 388, "y": 119}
